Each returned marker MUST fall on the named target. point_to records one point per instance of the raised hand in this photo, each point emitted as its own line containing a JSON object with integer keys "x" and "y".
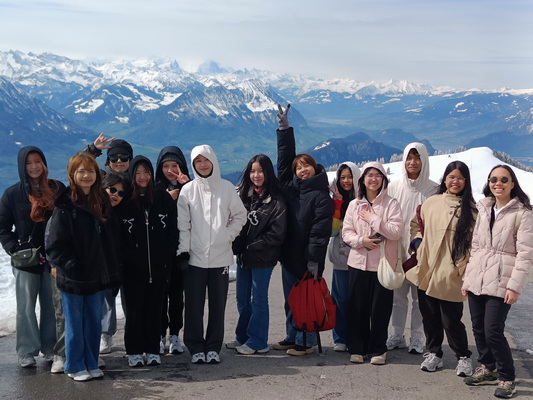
{"x": 335, "y": 191}
{"x": 283, "y": 119}
{"x": 101, "y": 142}
{"x": 180, "y": 176}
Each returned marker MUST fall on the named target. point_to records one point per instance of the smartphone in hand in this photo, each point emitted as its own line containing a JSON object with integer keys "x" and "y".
{"x": 378, "y": 236}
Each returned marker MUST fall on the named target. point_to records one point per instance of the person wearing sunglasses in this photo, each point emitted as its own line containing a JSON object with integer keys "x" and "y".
{"x": 497, "y": 273}
{"x": 119, "y": 153}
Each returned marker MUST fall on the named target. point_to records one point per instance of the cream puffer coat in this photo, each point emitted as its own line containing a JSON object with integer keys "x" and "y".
{"x": 499, "y": 260}
{"x": 436, "y": 273}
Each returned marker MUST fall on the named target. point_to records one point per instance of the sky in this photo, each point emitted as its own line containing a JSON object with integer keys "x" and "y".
{"x": 484, "y": 44}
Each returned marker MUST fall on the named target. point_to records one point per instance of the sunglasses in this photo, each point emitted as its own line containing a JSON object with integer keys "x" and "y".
{"x": 502, "y": 179}
{"x": 114, "y": 190}
{"x": 115, "y": 159}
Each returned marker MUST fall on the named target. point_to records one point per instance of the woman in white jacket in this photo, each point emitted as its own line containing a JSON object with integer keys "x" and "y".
{"x": 496, "y": 274}
{"x": 410, "y": 190}
{"x": 210, "y": 216}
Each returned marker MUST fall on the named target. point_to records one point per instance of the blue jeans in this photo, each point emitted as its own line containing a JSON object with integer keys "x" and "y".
{"x": 83, "y": 327}
{"x": 339, "y": 293}
{"x": 294, "y": 336}
{"x": 109, "y": 313}
{"x": 32, "y": 335}
{"x": 252, "y": 304}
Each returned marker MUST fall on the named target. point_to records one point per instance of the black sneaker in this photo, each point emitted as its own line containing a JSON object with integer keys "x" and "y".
{"x": 482, "y": 376}
{"x": 283, "y": 345}
{"x": 505, "y": 389}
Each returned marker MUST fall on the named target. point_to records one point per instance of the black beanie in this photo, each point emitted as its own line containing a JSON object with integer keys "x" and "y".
{"x": 171, "y": 157}
{"x": 119, "y": 146}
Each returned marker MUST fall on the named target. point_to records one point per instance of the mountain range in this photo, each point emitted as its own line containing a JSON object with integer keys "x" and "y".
{"x": 61, "y": 104}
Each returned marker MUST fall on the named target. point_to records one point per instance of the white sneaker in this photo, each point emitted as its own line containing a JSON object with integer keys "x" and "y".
{"x": 96, "y": 373}
{"x": 341, "y": 347}
{"x": 431, "y": 362}
{"x": 247, "y": 351}
{"x": 198, "y": 358}
{"x": 58, "y": 366}
{"x": 27, "y": 362}
{"x": 48, "y": 358}
{"x": 416, "y": 346}
{"x": 153, "y": 359}
{"x": 464, "y": 367}
{"x": 135, "y": 360}
{"x": 175, "y": 345}
{"x": 106, "y": 343}
{"x": 212, "y": 357}
{"x": 162, "y": 345}
{"x": 395, "y": 341}
{"x": 233, "y": 344}
{"x": 81, "y": 376}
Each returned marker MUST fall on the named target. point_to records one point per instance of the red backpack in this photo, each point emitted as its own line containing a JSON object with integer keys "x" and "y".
{"x": 312, "y": 307}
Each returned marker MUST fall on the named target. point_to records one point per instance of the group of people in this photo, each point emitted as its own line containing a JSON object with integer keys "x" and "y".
{"x": 160, "y": 236}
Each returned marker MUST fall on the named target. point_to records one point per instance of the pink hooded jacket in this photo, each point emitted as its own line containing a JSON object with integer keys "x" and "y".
{"x": 354, "y": 229}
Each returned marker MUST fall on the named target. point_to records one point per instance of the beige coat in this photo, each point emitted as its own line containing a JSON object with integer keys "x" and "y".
{"x": 436, "y": 273}
{"x": 500, "y": 260}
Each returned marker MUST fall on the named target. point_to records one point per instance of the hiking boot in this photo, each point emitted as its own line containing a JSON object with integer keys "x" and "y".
{"x": 96, "y": 373}
{"x": 464, "y": 367}
{"x": 431, "y": 362}
{"x": 153, "y": 359}
{"x": 162, "y": 345}
{"x": 175, "y": 345}
{"x": 482, "y": 376}
{"x": 135, "y": 360}
{"x": 396, "y": 341}
{"x": 233, "y": 344}
{"x": 340, "y": 347}
{"x": 81, "y": 376}
{"x": 28, "y": 362}
{"x": 299, "y": 350}
{"x": 283, "y": 345}
{"x": 198, "y": 358}
{"x": 58, "y": 366}
{"x": 379, "y": 360}
{"x": 106, "y": 343}
{"x": 416, "y": 346}
{"x": 212, "y": 357}
{"x": 247, "y": 351}
{"x": 357, "y": 359}
{"x": 505, "y": 389}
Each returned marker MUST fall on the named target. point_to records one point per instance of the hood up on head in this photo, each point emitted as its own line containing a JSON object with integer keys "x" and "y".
{"x": 206, "y": 151}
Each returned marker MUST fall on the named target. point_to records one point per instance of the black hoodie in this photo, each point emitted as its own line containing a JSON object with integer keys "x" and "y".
{"x": 160, "y": 180}
{"x": 15, "y": 208}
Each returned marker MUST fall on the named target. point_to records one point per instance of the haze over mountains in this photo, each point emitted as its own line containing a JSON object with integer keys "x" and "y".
{"x": 59, "y": 103}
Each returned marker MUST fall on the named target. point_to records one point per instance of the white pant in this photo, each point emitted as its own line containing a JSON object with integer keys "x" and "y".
{"x": 399, "y": 311}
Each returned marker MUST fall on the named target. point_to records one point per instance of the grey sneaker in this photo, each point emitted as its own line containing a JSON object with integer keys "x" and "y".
{"x": 396, "y": 341}
{"x": 464, "y": 367}
{"x": 175, "y": 345}
{"x": 482, "y": 376}
{"x": 162, "y": 345}
{"x": 505, "y": 390}
{"x": 212, "y": 357}
{"x": 135, "y": 360}
{"x": 416, "y": 346}
{"x": 233, "y": 344}
{"x": 58, "y": 366}
{"x": 245, "y": 350}
{"x": 153, "y": 359}
{"x": 431, "y": 362}
{"x": 27, "y": 362}
{"x": 198, "y": 358}
{"x": 106, "y": 343}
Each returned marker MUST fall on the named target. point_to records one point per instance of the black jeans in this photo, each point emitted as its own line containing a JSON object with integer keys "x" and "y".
{"x": 488, "y": 315}
{"x": 172, "y": 316}
{"x": 196, "y": 281}
{"x": 439, "y": 316}
{"x": 368, "y": 313}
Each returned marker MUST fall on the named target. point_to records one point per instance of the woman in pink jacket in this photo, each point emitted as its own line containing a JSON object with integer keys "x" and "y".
{"x": 370, "y": 304}
{"x": 496, "y": 274}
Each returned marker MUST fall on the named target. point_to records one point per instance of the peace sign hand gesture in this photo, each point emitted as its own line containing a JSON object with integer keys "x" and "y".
{"x": 283, "y": 119}
{"x": 335, "y": 191}
{"x": 180, "y": 176}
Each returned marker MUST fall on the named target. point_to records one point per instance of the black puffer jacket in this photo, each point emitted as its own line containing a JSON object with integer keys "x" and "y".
{"x": 85, "y": 249}
{"x": 15, "y": 208}
{"x": 259, "y": 243}
{"x": 150, "y": 233}
{"x": 309, "y": 211}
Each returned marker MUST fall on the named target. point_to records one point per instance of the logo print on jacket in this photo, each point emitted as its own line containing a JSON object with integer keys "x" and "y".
{"x": 252, "y": 217}
{"x": 163, "y": 216}
{"x": 129, "y": 221}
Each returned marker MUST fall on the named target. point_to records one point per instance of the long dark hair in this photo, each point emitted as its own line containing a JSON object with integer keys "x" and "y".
{"x": 361, "y": 182}
{"x": 515, "y": 192}
{"x": 97, "y": 201}
{"x": 271, "y": 185}
{"x": 462, "y": 238}
{"x": 347, "y": 196}
{"x": 142, "y": 196}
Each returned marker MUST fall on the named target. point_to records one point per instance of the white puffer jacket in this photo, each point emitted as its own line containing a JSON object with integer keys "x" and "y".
{"x": 498, "y": 260}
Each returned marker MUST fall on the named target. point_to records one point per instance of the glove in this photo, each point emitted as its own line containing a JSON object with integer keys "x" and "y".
{"x": 415, "y": 244}
{"x": 183, "y": 261}
{"x": 312, "y": 267}
{"x": 283, "y": 119}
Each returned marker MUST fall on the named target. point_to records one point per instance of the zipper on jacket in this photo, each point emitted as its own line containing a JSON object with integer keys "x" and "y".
{"x": 146, "y": 212}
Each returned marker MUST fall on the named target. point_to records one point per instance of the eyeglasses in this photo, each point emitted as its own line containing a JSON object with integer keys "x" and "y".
{"x": 377, "y": 176}
{"x": 502, "y": 179}
{"x": 455, "y": 178}
{"x": 114, "y": 190}
{"x": 115, "y": 159}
